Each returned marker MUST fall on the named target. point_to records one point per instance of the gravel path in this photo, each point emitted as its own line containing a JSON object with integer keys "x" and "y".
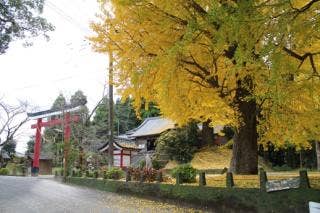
{"x": 36, "y": 194}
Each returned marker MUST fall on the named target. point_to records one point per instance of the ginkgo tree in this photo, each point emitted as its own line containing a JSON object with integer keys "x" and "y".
{"x": 250, "y": 64}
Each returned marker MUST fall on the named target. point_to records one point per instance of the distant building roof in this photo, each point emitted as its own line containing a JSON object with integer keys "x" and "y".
{"x": 42, "y": 157}
{"x": 152, "y": 126}
{"x": 120, "y": 144}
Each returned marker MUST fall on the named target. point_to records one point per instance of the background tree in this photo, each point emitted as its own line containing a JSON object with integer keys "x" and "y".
{"x": 20, "y": 19}
{"x": 125, "y": 117}
{"x": 242, "y": 63}
{"x": 178, "y": 144}
{"x": 12, "y": 118}
{"x": 59, "y": 103}
{"x": 10, "y": 147}
{"x": 148, "y": 109}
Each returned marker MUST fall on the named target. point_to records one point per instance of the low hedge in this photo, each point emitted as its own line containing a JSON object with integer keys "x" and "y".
{"x": 114, "y": 173}
{"x": 4, "y": 171}
{"x": 217, "y": 199}
{"x": 186, "y": 173}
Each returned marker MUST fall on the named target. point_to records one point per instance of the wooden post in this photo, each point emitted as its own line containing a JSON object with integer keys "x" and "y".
{"x": 128, "y": 176}
{"x": 110, "y": 150}
{"x": 263, "y": 179}
{"x": 202, "y": 179}
{"x": 304, "y": 180}
{"x": 229, "y": 180}
{"x": 159, "y": 177}
{"x": 318, "y": 154}
{"x": 178, "y": 179}
{"x": 96, "y": 174}
{"x": 142, "y": 177}
{"x": 121, "y": 158}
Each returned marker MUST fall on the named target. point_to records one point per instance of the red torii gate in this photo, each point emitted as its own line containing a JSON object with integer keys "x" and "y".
{"x": 66, "y": 121}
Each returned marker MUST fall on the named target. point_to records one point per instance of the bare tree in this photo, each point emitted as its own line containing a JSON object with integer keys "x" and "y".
{"x": 12, "y": 119}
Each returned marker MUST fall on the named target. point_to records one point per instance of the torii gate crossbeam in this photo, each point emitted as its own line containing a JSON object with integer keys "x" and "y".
{"x": 66, "y": 121}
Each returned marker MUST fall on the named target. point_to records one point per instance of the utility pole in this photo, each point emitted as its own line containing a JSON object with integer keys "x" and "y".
{"x": 110, "y": 150}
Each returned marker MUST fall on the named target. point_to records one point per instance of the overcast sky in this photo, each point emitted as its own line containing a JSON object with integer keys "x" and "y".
{"x": 64, "y": 64}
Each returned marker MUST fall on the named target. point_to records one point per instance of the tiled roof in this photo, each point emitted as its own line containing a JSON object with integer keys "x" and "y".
{"x": 152, "y": 126}
{"x": 122, "y": 144}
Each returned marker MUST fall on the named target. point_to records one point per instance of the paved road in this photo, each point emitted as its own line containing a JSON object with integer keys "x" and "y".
{"x": 31, "y": 194}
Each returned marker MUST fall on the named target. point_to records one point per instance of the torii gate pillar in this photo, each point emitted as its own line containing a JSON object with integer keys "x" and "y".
{"x": 36, "y": 156}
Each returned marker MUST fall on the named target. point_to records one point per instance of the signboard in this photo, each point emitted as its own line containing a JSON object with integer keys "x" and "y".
{"x": 314, "y": 207}
{"x": 278, "y": 185}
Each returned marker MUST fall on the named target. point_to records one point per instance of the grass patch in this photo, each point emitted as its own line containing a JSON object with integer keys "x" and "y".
{"x": 212, "y": 157}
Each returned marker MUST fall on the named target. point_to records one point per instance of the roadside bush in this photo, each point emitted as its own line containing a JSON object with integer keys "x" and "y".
{"x": 14, "y": 168}
{"x": 149, "y": 175}
{"x": 114, "y": 173}
{"x": 89, "y": 174}
{"x": 4, "y": 171}
{"x": 186, "y": 172}
{"x": 179, "y": 144}
{"x": 135, "y": 173}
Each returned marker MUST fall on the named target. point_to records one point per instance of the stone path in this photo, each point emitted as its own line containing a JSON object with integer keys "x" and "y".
{"x": 36, "y": 194}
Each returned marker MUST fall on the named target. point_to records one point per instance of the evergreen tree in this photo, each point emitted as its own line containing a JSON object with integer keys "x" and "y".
{"x": 10, "y": 147}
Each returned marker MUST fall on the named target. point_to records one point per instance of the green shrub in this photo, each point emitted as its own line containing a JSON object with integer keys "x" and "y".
{"x": 179, "y": 144}
{"x": 89, "y": 174}
{"x": 114, "y": 173}
{"x": 14, "y": 168}
{"x": 4, "y": 171}
{"x": 156, "y": 164}
{"x": 142, "y": 164}
{"x": 187, "y": 173}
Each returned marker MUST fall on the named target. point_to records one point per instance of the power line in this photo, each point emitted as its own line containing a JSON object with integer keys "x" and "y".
{"x": 65, "y": 16}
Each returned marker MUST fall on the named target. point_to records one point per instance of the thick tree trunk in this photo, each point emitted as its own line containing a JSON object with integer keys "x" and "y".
{"x": 318, "y": 154}
{"x": 245, "y": 148}
{"x": 207, "y": 134}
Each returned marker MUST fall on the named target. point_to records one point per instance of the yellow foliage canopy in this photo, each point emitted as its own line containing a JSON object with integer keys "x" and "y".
{"x": 192, "y": 56}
